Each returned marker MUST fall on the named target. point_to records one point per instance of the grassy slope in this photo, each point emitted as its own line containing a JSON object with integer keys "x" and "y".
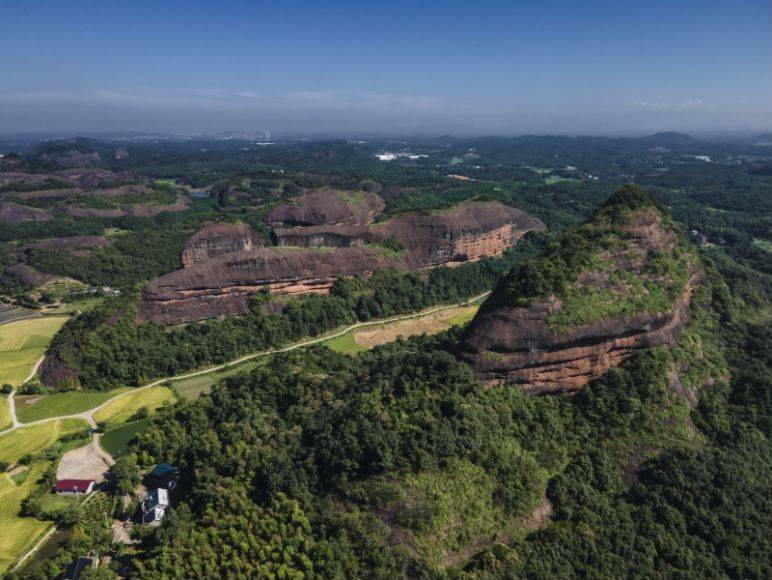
{"x": 193, "y": 387}
{"x": 36, "y": 438}
{"x": 121, "y": 409}
{"x": 18, "y": 534}
{"x": 22, "y": 343}
{"x": 347, "y": 343}
{"x": 65, "y": 404}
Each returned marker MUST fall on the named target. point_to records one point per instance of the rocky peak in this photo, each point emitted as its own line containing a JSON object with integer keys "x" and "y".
{"x": 618, "y": 282}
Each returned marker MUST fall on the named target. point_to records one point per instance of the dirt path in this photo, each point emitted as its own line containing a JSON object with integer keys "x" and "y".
{"x": 89, "y": 415}
{"x": 87, "y": 462}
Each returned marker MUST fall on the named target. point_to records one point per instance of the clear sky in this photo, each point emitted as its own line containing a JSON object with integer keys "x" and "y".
{"x": 472, "y": 67}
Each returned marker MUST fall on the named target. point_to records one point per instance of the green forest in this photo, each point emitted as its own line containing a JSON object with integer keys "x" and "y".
{"x": 399, "y": 461}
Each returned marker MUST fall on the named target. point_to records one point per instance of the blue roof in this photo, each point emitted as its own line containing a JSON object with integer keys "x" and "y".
{"x": 163, "y": 469}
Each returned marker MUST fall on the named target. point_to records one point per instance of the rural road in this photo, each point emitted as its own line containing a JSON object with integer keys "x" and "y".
{"x": 89, "y": 415}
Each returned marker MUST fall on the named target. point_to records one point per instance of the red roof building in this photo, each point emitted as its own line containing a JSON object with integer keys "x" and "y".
{"x": 72, "y": 486}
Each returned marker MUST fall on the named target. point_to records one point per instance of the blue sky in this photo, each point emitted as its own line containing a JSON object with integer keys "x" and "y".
{"x": 598, "y": 67}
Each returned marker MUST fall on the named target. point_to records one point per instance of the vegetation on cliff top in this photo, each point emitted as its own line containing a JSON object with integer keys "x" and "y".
{"x": 401, "y": 464}
{"x": 594, "y": 272}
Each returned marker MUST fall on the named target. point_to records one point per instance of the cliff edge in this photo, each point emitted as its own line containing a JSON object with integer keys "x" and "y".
{"x": 619, "y": 282}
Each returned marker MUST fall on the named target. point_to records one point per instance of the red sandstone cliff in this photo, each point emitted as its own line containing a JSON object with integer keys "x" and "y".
{"x": 223, "y": 264}
{"x": 218, "y": 239}
{"x": 520, "y": 344}
{"x": 221, "y": 286}
{"x": 466, "y": 232}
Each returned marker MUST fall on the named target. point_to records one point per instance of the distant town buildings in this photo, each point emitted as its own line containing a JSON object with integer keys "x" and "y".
{"x": 388, "y": 156}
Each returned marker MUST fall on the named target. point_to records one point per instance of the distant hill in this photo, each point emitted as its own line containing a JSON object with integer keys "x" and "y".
{"x": 669, "y": 138}
{"x": 77, "y": 152}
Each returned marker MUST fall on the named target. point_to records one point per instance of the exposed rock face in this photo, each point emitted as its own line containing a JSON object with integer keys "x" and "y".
{"x": 334, "y": 236}
{"x": 218, "y": 239}
{"x": 221, "y": 285}
{"x": 87, "y": 178}
{"x": 466, "y": 232}
{"x": 328, "y": 206}
{"x": 28, "y": 276}
{"x": 13, "y": 213}
{"x": 73, "y": 158}
{"x": 223, "y": 263}
{"x": 53, "y": 372}
{"x": 144, "y": 210}
{"x": 517, "y": 345}
{"x": 69, "y": 243}
{"x": 507, "y": 342}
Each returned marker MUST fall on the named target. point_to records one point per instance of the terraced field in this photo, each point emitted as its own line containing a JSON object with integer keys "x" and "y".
{"x": 36, "y": 438}
{"x": 22, "y": 343}
{"x": 10, "y": 313}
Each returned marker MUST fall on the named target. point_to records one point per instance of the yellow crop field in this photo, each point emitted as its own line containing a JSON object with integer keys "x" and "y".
{"x": 33, "y": 439}
{"x": 122, "y": 408}
{"x": 22, "y": 343}
{"x": 18, "y": 534}
{"x": 430, "y": 324}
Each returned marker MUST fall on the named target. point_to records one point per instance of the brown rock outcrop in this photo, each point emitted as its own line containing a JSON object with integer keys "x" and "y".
{"x": 144, "y": 210}
{"x": 466, "y": 232}
{"x": 511, "y": 342}
{"x": 328, "y": 206}
{"x": 221, "y": 286}
{"x": 218, "y": 239}
{"x": 28, "y": 276}
{"x": 333, "y": 236}
{"x": 13, "y": 213}
{"x": 517, "y": 345}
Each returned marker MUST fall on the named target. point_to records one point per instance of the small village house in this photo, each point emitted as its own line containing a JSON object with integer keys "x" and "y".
{"x": 154, "y": 507}
{"x": 74, "y": 486}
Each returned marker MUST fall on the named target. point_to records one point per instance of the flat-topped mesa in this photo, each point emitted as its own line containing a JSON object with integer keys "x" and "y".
{"x": 621, "y": 282}
{"x": 466, "y": 232}
{"x": 327, "y": 206}
{"x": 217, "y": 239}
{"x": 221, "y": 286}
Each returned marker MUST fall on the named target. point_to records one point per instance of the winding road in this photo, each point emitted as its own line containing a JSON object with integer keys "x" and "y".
{"x": 88, "y": 416}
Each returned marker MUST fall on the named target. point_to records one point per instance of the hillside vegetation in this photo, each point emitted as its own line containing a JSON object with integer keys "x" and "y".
{"x": 398, "y": 462}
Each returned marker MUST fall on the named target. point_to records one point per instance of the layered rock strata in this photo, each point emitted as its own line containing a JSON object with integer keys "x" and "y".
{"x": 221, "y": 286}
{"x": 466, "y": 232}
{"x": 218, "y": 239}
{"x": 516, "y": 345}
{"x": 522, "y": 344}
